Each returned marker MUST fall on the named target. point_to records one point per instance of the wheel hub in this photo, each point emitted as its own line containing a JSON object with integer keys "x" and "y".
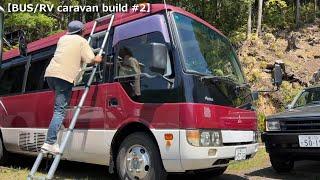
{"x": 137, "y": 162}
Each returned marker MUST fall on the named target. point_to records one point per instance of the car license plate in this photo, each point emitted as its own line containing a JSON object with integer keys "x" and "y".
{"x": 309, "y": 140}
{"x": 241, "y": 154}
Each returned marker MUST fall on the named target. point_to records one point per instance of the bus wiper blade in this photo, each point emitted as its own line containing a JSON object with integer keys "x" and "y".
{"x": 228, "y": 78}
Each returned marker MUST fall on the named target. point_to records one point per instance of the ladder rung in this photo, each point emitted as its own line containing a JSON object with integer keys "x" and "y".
{"x": 104, "y": 18}
{"x": 96, "y": 50}
{"x": 50, "y": 153}
{"x": 88, "y": 69}
{"x": 98, "y": 34}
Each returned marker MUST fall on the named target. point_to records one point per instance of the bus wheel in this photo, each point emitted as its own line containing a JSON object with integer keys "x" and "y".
{"x": 3, "y": 153}
{"x": 139, "y": 158}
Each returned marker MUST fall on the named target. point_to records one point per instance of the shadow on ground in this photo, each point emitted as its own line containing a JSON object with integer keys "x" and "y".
{"x": 302, "y": 170}
{"x": 76, "y": 170}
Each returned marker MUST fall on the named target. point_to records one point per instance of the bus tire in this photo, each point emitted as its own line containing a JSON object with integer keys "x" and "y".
{"x": 138, "y": 152}
{"x": 281, "y": 164}
{"x": 3, "y": 153}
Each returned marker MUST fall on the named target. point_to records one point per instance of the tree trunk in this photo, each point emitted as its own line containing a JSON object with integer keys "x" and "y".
{"x": 292, "y": 42}
{"x": 315, "y": 8}
{"x": 100, "y": 6}
{"x": 298, "y": 6}
{"x": 203, "y": 9}
{"x": 249, "y": 26}
{"x": 83, "y": 14}
{"x": 259, "y": 17}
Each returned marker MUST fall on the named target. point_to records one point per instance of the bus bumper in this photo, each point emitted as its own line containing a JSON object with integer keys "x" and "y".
{"x": 193, "y": 158}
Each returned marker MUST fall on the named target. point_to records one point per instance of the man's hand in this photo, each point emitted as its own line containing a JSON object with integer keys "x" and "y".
{"x": 97, "y": 59}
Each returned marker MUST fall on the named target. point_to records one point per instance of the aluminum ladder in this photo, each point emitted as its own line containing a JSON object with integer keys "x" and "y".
{"x": 57, "y": 157}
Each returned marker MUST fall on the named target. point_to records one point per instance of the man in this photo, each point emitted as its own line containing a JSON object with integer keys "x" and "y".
{"x": 130, "y": 66}
{"x": 72, "y": 51}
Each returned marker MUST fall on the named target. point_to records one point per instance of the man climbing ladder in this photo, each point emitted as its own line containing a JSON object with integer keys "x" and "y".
{"x": 72, "y": 49}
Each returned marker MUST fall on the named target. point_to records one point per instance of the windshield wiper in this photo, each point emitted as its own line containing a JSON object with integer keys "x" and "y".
{"x": 226, "y": 78}
{"x": 217, "y": 77}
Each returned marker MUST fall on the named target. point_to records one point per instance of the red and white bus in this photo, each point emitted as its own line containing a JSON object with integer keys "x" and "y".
{"x": 194, "y": 114}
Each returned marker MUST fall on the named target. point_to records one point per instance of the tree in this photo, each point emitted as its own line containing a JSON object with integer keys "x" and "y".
{"x": 298, "y": 14}
{"x": 259, "y": 17}
{"x": 315, "y": 8}
{"x": 249, "y": 24}
{"x": 83, "y": 14}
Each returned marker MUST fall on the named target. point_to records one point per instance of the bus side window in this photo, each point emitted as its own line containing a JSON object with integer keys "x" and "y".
{"x": 35, "y": 80}
{"x": 11, "y": 80}
{"x": 133, "y": 62}
{"x": 104, "y": 70}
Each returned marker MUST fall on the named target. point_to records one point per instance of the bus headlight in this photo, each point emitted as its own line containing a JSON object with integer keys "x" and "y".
{"x": 273, "y": 125}
{"x": 204, "y": 138}
{"x": 216, "y": 138}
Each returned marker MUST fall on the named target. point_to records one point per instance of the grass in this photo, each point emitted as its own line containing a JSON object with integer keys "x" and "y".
{"x": 261, "y": 159}
{"x": 13, "y": 173}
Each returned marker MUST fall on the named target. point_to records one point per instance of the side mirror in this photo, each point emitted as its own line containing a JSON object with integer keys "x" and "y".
{"x": 255, "y": 95}
{"x": 159, "y": 58}
{"x": 22, "y": 43}
{"x": 288, "y": 107}
{"x": 277, "y": 75}
{"x": 20, "y": 38}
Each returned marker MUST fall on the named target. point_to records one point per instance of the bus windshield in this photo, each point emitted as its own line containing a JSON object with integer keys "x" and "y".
{"x": 205, "y": 51}
{"x": 1, "y": 32}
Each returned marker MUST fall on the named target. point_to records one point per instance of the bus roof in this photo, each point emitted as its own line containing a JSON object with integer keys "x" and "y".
{"x": 120, "y": 18}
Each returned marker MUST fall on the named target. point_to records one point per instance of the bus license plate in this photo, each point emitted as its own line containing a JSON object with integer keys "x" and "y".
{"x": 309, "y": 140}
{"x": 241, "y": 154}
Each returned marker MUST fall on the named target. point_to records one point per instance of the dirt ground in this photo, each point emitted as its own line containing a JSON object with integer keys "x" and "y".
{"x": 257, "y": 168}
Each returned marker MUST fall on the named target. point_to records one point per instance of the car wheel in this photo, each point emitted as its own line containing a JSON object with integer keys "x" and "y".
{"x": 280, "y": 163}
{"x": 138, "y": 158}
{"x": 211, "y": 172}
{"x": 3, "y": 153}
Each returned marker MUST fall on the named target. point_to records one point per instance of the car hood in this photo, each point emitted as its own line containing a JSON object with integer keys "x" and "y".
{"x": 301, "y": 112}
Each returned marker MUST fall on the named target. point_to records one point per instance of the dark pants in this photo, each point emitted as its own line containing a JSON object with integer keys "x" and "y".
{"x": 62, "y": 91}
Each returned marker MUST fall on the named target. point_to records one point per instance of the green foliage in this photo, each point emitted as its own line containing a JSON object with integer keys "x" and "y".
{"x": 307, "y": 13}
{"x": 35, "y": 25}
{"x": 275, "y": 13}
{"x": 288, "y": 92}
{"x": 261, "y": 121}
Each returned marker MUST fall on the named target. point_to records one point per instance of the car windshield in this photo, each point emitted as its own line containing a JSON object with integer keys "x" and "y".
{"x": 205, "y": 51}
{"x": 308, "y": 97}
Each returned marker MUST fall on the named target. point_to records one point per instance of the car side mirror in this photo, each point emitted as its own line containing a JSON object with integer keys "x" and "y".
{"x": 255, "y": 95}
{"x": 277, "y": 75}
{"x": 159, "y": 58}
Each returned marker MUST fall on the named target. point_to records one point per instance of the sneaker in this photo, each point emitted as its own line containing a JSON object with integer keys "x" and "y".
{"x": 54, "y": 149}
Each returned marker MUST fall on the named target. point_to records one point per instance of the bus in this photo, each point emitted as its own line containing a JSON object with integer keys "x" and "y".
{"x": 191, "y": 112}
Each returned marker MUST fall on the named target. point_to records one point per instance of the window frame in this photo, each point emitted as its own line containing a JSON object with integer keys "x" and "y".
{"x": 3, "y": 70}
{"x": 116, "y": 54}
{"x": 180, "y": 49}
